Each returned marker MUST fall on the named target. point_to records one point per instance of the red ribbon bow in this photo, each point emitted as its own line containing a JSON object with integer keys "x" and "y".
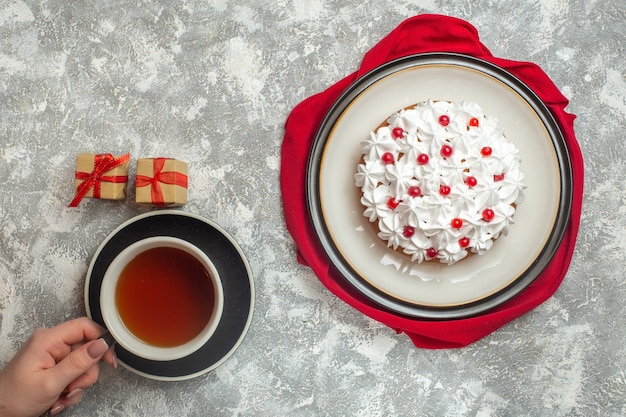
{"x": 102, "y": 163}
{"x": 169, "y": 177}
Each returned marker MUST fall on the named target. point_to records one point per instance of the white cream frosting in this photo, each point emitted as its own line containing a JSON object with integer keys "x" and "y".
{"x": 446, "y": 219}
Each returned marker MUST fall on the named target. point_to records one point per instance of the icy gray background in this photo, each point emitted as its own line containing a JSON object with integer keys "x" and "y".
{"x": 211, "y": 82}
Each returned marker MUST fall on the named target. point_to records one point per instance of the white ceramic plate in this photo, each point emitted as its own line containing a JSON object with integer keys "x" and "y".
{"x": 434, "y": 290}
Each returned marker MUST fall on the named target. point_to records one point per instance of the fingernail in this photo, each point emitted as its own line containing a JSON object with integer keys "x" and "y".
{"x": 73, "y": 393}
{"x": 56, "y": 409}
{"x": 97, "y": 348}
{"x": 115, "y": 361}
{"x": 108, "y": 338}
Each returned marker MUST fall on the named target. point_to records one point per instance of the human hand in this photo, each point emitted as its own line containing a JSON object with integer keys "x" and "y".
{"x": 53, "y": 368}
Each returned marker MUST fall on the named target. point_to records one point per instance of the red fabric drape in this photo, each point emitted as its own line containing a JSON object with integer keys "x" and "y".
{"x": 420, "y": 34}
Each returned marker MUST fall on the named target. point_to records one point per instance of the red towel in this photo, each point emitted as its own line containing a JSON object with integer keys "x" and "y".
{"x": 420, "y": 34}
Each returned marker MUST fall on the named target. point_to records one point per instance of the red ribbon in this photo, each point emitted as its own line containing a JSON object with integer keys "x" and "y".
{"x": 168, "y": 177}
{"x": 102, "y": 163}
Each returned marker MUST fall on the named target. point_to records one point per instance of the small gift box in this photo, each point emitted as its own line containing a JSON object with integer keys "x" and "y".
{"x": 161, "y": 182}
{"x": 102, "y": 176}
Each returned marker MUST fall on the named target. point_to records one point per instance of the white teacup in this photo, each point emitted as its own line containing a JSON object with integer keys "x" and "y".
{"x": 124, "y": 337}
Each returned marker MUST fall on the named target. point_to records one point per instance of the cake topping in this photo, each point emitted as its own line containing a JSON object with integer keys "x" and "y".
{"x": 471, "y": 181}
{"x": 456, "y": 223}
{"x": 388, "y": 158}
{"x": 414, "y": 191}
{"x": 392, "y": 203}
{"x": 446, "y": 151}
{"x": 488, "y": 215}
{"x": 397, "y": 132}
{"x": 441, "y": 181}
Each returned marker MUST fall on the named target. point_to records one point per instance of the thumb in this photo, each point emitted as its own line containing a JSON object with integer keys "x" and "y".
{"x": 79, "y": 361}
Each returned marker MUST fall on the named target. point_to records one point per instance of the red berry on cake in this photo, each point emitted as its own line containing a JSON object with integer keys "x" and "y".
{"x": 471, "y": 181}
{"x": 408, "y": 231}
{"x": 388, "y": 158}
{"x": 464, "y": 242}
{"x": 446, "y": 151}
{"x": 431, "y": 253}
{"x": 392, "y": 203}
{"x": 486, "y": 151}
{"x": 397, "y": 132}
{"x": 488, "y": 215}
{"x": 498, "y": 177}
{"x": 422, "y": 159}
{"x": 444, "y": 190}
{"x": 473, "y": 122}
{"x": 444, "y": 120}
{"x": 456, "y": 223}
{"x": 414, "y": 191}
